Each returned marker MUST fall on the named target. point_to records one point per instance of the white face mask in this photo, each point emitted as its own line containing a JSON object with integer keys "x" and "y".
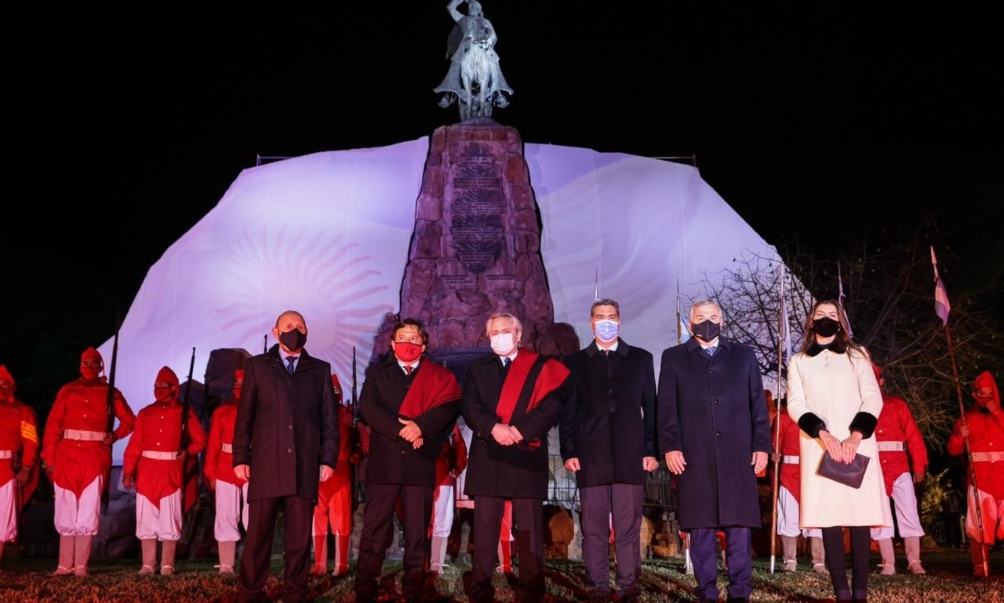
{"x": 503, "y": 344}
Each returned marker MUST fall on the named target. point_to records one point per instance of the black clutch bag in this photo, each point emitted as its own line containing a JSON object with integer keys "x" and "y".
{"x": 849, "y": 474}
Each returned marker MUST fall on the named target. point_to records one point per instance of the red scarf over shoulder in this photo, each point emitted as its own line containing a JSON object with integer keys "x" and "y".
{"x": 552, "y": 374}
{"x": 433, "y": 385}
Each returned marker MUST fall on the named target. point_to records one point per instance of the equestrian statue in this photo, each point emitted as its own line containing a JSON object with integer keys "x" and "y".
{"x": 474, "y": 80}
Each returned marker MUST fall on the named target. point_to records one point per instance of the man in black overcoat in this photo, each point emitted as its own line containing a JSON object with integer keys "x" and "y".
{"x": 410, "y": 404}
{"x": 511, "y": 401}
{"x": 607, "y": 431}
{"x": 285, "y": 441}
{"x": 714, "y": 430}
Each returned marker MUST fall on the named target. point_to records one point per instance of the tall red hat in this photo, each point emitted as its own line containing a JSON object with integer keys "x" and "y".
{"x": 91, "y": 354}
{"x": 6, "y": 376}
{"x": 167, "y": 375}
{"x": 986, "y": 379}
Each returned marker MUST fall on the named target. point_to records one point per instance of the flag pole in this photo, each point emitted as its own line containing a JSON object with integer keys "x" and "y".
{"x": 840, "y": 300}
{"x": 688, "y": 566}
{"x": 942, "y": 307}
{"x": 679, "y": 323}
{"x": 777, "y": 420}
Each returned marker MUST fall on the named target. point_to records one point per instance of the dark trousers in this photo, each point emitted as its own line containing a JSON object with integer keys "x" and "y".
{"x": 256, "y": 560}
{"x": 836, "y": 560}
{"x": 738, "y": 556}
{"x": 528, "y": 519}
{"x": 377, "y": 534}
{"x": 622, "y": 503}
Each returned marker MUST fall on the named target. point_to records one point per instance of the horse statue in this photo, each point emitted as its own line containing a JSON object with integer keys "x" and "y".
{"x": 474, "y": 80}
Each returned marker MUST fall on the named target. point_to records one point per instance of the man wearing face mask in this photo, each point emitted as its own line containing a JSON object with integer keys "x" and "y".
{"x": 714, "y": 430}
{"x": 285, "y": 443}
{"x": 229, "y": 491}
{"x": 983, "y": 427}
{"x": 410, "y": 404}
{"x": 77, "y": 453}
{"x": 18, "y": 456}
{"x": 154, "y": 462}
{"x": 607, "y": 430}
{"x": 511, "y": 400}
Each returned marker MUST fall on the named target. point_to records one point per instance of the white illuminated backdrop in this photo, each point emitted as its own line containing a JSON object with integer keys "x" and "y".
{"x": 328, "y": 234}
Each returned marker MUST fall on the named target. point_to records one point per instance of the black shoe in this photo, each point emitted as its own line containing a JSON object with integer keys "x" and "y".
{"x": 737, "y": 600}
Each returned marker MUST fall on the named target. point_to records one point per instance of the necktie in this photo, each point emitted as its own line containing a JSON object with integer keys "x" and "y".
{"x": 710, "y": 351}
{"x": 291, "y": 366}
{"x": 505, "y": 365}
{"x": 407, "y": 369}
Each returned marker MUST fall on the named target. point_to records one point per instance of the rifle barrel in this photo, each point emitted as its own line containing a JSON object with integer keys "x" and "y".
{"x": 110, "y": 401}
{"x": 186, "y": 402}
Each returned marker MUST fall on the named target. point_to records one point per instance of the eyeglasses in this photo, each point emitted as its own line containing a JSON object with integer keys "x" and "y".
{"x": 90, "y": 364}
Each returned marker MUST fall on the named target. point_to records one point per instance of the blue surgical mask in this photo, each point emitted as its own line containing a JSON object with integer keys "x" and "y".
{"x": 606, "y": 330}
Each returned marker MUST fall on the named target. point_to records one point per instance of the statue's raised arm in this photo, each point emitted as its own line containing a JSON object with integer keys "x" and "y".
{"x": 474, "y": 80}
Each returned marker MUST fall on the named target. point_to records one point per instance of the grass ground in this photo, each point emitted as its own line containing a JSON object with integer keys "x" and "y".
{"x": 949, "y": 580}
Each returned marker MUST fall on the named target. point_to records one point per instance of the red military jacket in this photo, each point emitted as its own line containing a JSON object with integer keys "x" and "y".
{"x": 82, "y": 405}
{"x": 896, "y": 424}
{"x": 986, "y": 436}
{"x": 18, "y": 434}
{"x": 342, "y": 476}
{"x": 788, "y": 446}
{"x": 453, "y": 458}
{"x": 219, "y": 463}
{"x": 158, "y": 430}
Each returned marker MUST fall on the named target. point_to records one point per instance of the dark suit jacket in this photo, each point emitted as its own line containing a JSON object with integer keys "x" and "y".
{"x": 286, "y": 426}
{"x": 392, "y": 459}
{"x": 505, "y": 471}
{"x": 714, "y": 411}
{"x": 608, "y": 422}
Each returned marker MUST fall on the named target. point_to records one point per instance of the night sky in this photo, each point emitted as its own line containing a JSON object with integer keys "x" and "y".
{"x": 127, "y": 129}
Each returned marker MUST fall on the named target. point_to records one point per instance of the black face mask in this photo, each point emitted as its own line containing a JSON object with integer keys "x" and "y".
{"x": 707, "y": 330}
{"x": 825, "y": 327}
{"x": 293, "y": 340}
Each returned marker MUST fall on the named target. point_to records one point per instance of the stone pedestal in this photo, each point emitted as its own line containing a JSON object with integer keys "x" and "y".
{"x": 476, "y": 246}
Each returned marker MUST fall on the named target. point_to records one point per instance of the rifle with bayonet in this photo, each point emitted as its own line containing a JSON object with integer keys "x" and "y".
{"x": 110, "y": 399}
{"x": 190, "y": 466}
{"x": 355, "y": 451}
{"x": 110, "y": 405}
{"x": 186, "y": 403}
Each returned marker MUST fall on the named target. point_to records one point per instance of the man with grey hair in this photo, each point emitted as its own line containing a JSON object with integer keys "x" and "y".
{"x": 714, "y": 430}
{"x": 608, "y": 440}
{"x": 511, "y": 400}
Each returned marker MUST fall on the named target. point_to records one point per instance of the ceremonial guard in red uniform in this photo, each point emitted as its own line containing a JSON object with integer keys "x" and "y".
{"x": 983, "y": 424}
{"x": 334, "y": 498}
{"x": 451, "y": 462}
{"x": 18, "y": 456}
{"x": 154, "y": 462}
{"x": 229, "y": 490}
{"x": 77, "y": 452}
{"x": 788, "y": 496}
{"x": 904, "y": 463}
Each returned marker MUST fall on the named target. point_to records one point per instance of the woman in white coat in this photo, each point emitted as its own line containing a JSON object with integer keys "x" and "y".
{"x": 835, "y": 399}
